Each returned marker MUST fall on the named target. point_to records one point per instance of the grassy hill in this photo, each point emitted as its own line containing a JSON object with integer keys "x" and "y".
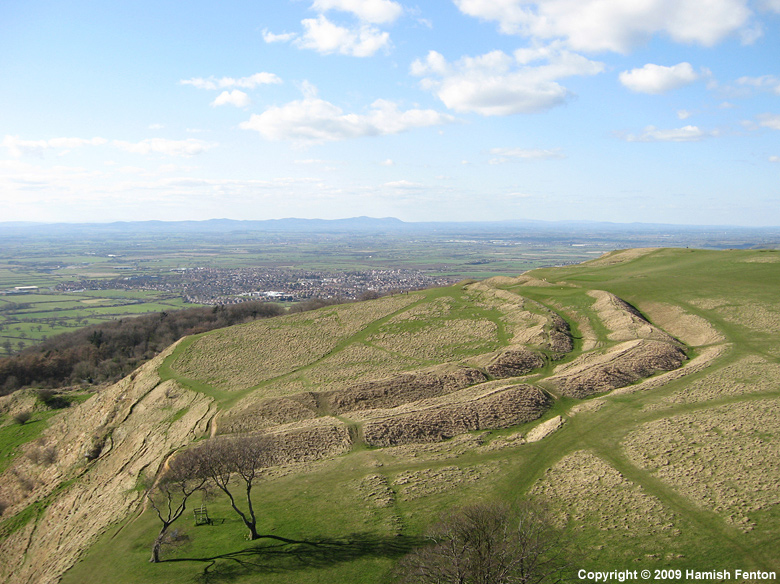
{"x": 638, "y": 394}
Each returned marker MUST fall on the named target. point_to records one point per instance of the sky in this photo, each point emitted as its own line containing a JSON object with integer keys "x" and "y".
{"x": 651, "y": 111}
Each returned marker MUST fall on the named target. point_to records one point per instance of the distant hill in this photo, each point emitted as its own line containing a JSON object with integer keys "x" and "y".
{"x": 368, "y": 225}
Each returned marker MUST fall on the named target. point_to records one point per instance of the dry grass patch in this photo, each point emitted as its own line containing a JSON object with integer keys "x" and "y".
{"x": 438, "y": 340}
{"x": 622, "y": 365}
{"x": 760, "y": 317}
{"x": 689, "y": 328}
{"x": 355, "y": 363}
{"x": 544, "y": 429}
{"x": 587, "y": 491}
{"x": 764, "y": 258}
{"x": 513, "y": 361}
{"x": 724, "y": 458}
{"x": 500, "y": 409}
{"x": 623, "y": 320}
{"x": 310, "y": 440}
{"x": 753, "y": 374}
{"x": 449, "y": 449}
{"x": 404, "y": 388}
{"x": 422, "y": 483}
{"x": 621, "y": 256}
{"x": 376, "y": 490}
{"x": 239, "y": 357}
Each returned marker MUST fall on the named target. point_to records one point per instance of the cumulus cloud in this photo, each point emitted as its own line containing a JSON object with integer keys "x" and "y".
{"x": 774, "y": 159}
{"x": 374, "y": 11}
{"x": 325, "y": 37}
{"x": 284, "y": 37}
{"x": 657, "y": 79}
{"x": 236, "y": 97}
{"x": 404, "y": 184}
{"x": 765, "y": 82}
{"x": 189, "y": 147}
{"x": 363, "y": 39}
{"x": 500, "y": 84}
{"x": 771, "y": 121}
{"x": 250, "y": 82}
{"x": 617, "y": 25}
{"x": 18, "y": 147}
{"x": 515, "y": 154}
{"x": 314, "y": 120}
{"x": 684, "y": 134}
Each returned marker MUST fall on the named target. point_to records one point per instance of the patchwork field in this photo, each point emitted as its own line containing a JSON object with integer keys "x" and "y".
{"x": 637, "y": 395}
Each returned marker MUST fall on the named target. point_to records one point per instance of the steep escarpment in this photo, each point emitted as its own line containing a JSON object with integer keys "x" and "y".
{"x": 104, "y": 448}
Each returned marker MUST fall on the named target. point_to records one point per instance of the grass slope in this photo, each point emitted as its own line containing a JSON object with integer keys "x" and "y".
{"x": 679, "y": 475}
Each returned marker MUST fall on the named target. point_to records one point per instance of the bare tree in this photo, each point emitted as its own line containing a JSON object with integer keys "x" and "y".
{"x": 168, "y": 497}
{"x": 489, "y": 543}
{"x": 224, "y": 459}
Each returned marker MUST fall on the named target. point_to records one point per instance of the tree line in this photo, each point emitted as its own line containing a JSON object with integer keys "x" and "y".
{"x": 108, "y": 351}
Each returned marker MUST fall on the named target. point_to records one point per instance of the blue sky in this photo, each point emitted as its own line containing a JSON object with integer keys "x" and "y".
{"x": 610, "y": 110}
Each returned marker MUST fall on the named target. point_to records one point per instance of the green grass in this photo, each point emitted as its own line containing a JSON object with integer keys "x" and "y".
{"x": 13, "y": 435}
{"x": 358, "y": 541}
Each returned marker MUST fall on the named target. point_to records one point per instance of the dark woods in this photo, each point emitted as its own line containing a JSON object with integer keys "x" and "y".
{"x": 107, "y": 352}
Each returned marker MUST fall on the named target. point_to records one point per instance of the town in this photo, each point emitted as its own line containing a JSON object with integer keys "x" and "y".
{"x": 212, "y": 286}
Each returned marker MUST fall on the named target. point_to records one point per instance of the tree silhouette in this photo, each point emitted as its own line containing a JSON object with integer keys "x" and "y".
{"x": 245, "y": 457}
{"x": 489, "y": 543}
{"x": 168, "y": 497}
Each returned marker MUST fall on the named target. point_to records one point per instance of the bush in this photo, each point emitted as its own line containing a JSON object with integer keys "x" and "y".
{"x": 22, "y": 417}
{"x": 489, "y": 543}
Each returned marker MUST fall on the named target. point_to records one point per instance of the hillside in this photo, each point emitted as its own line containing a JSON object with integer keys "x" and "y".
{"x": 638, "y": 394}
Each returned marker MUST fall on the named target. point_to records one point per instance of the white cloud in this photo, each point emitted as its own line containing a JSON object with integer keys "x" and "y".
{"x": 684, "y": 134}
{"x": 284, "y": 37}
{"x": 657, "y": 79}
{"x": 769, "y": 121}
{"x": 388, "y": 162}
{"x": 765, "y": 82}
{"x": 189, "y": 147}
{"x": 516, "y": 154}
{"x": 314, "y": 120}
{"x": 404, "y": 184}
{"x": 684, "y": 114}
{"x": 499, "y": 84}
{"x": 616, "y": 25}
{"x": 250, "y": 82}
{"x": 325, "y": 37}
{"x": 236, "y": 97}
{"x": 774, "y": 159}
{"x": 18, "y": 147}
{"x": 156, "y": 126}
{"x": 374, "y": 11}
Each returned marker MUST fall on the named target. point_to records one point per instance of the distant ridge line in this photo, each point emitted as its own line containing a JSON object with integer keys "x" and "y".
{"x": 358, "y": 224}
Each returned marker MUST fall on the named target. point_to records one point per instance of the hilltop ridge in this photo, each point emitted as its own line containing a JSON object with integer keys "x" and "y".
{"x": 436, "y": 396}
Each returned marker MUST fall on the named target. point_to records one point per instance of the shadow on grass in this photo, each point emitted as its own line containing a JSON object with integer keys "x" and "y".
{"x": 287, "y": 555}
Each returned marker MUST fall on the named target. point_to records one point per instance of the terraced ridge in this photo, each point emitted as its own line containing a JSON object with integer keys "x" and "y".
{"x": 421, "y": 402}
{"x": 636, "y": 394}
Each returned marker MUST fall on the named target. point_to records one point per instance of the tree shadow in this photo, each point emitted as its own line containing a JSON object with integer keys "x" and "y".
{"x": 287, "y": 555}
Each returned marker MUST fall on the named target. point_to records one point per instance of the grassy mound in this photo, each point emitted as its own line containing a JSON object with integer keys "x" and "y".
{"x": 386, "y": 416}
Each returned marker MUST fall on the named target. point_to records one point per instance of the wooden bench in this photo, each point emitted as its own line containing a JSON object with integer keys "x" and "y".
{"x": 202, "y": 516}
